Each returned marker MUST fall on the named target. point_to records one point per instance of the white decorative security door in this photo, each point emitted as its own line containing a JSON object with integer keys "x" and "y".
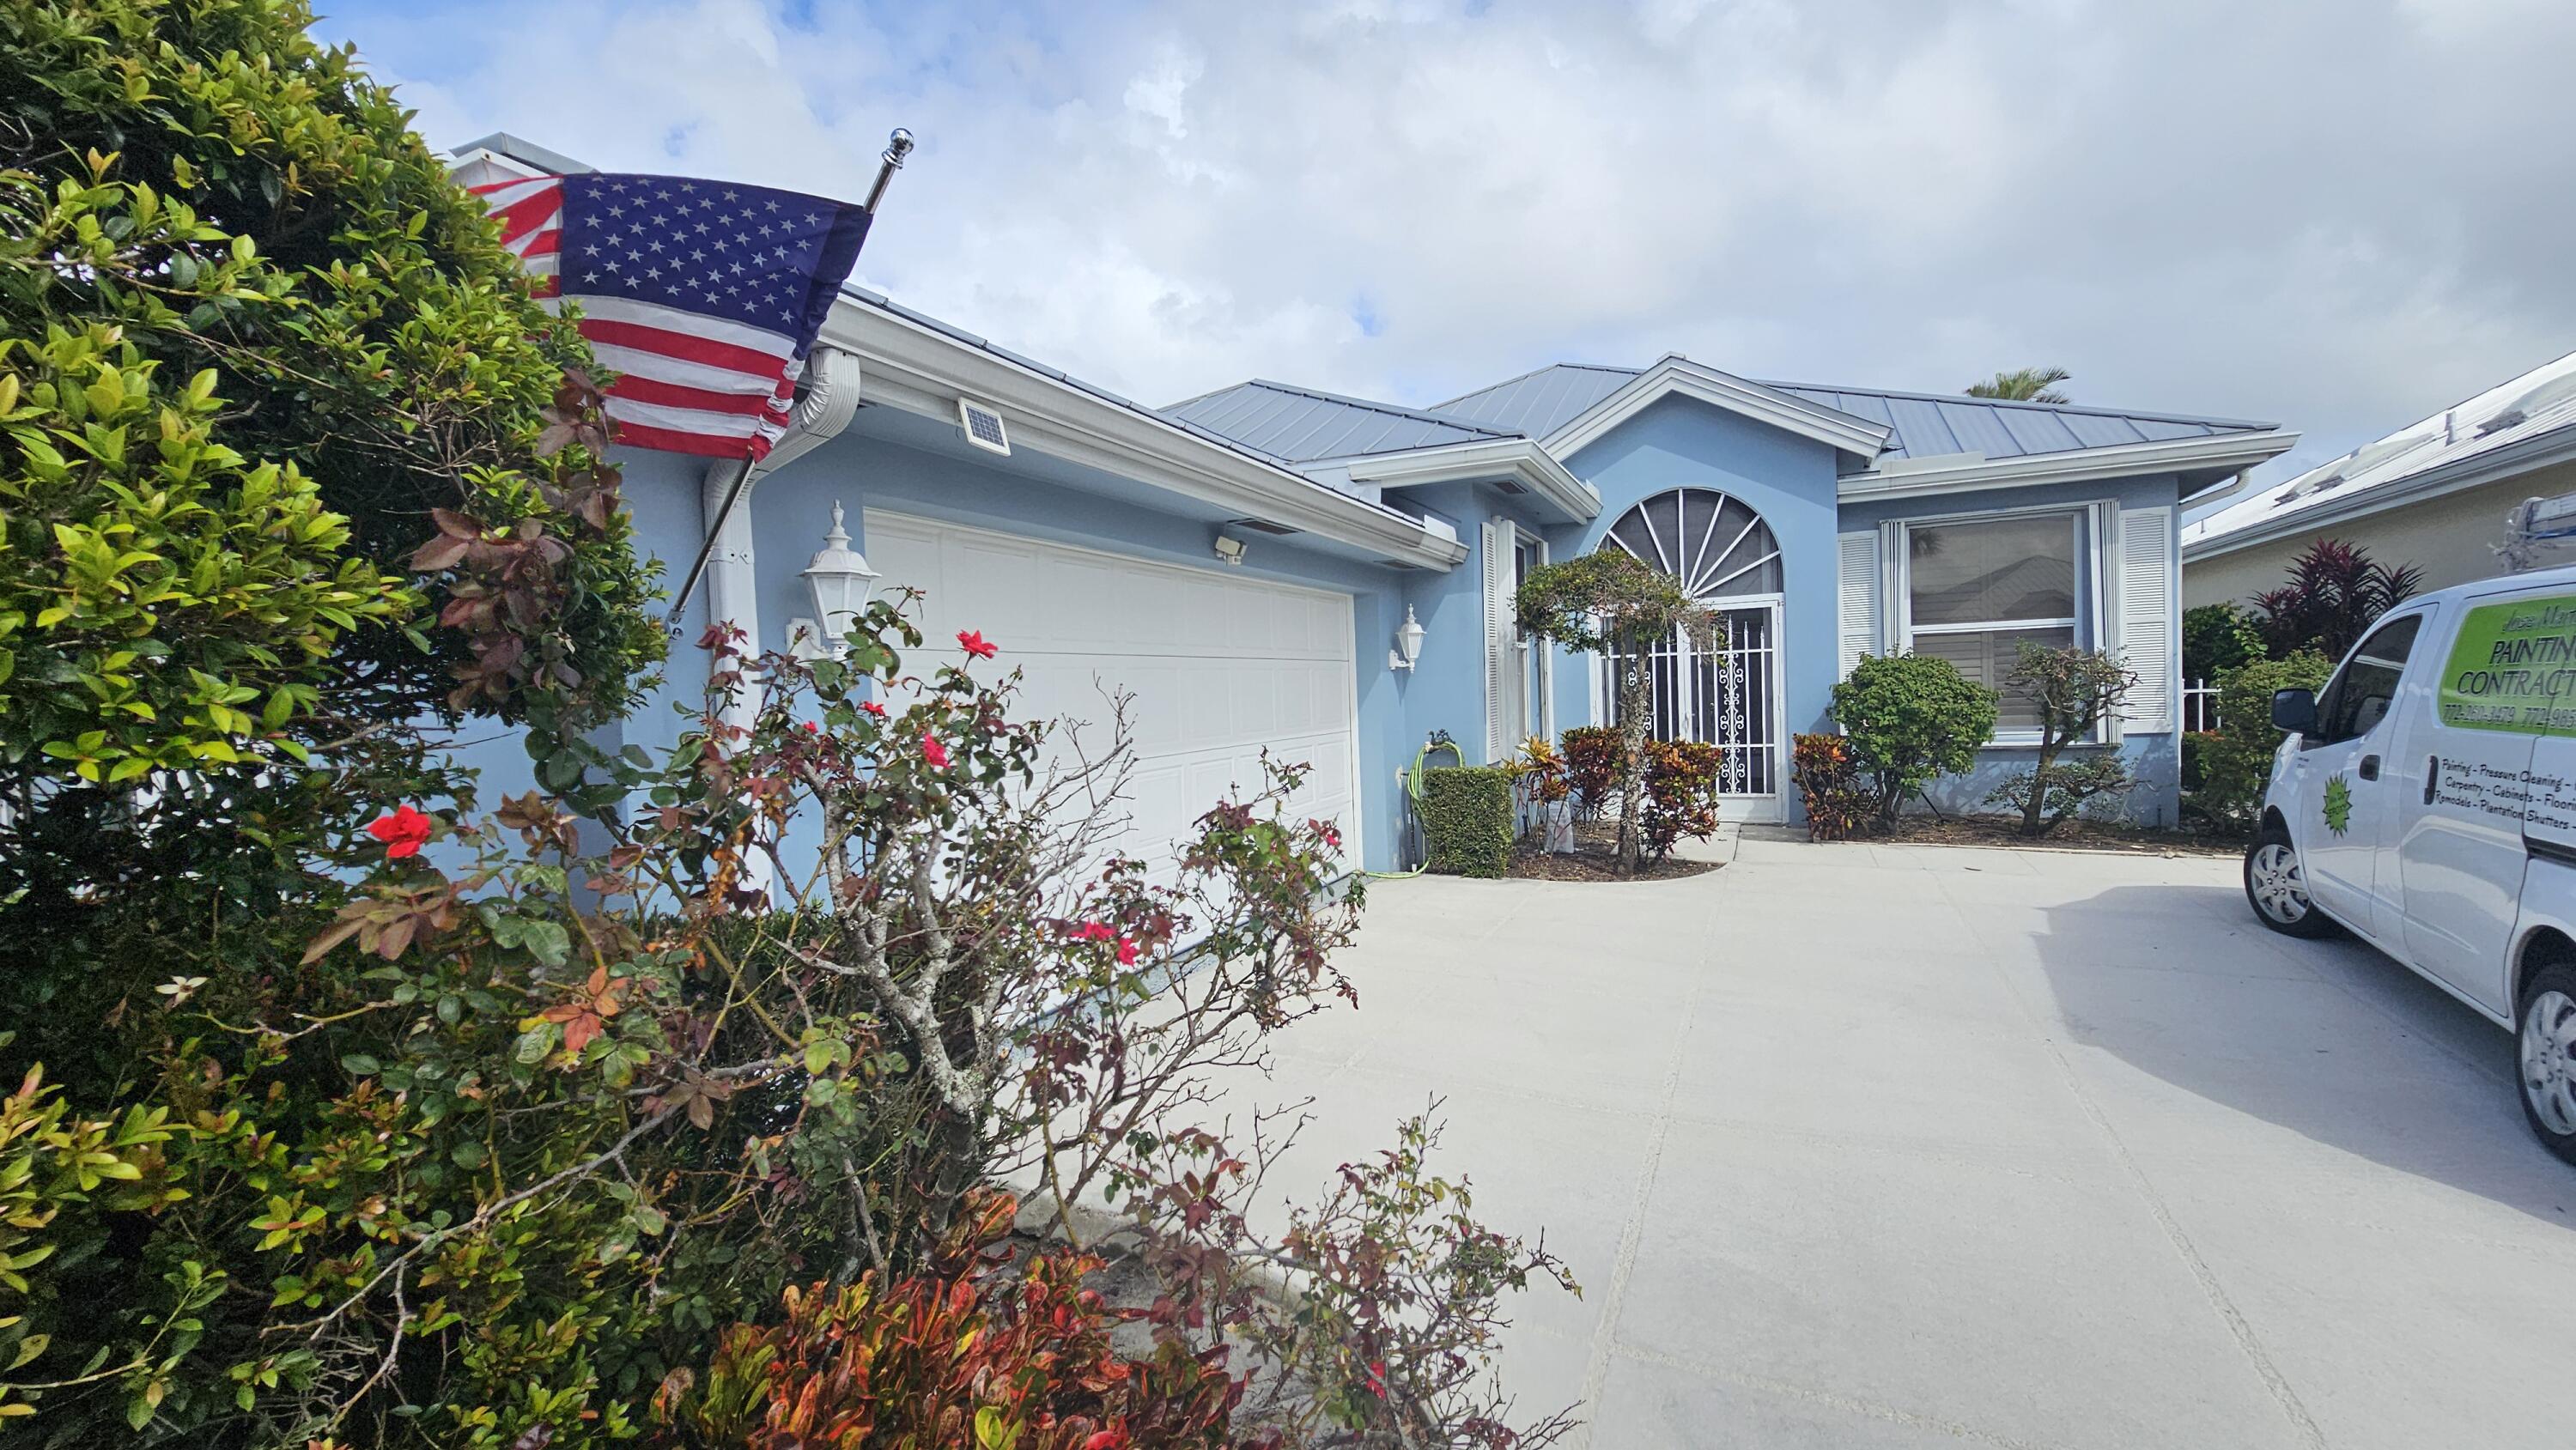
{"x": 1726, "y": 693}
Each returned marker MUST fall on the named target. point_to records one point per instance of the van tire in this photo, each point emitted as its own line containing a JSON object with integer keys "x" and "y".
{"x": 2280, "y": 900}
{"x": 2543, "y": 1066}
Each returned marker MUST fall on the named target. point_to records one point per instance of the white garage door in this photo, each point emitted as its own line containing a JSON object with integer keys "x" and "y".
{"x": 1220, "y": 666}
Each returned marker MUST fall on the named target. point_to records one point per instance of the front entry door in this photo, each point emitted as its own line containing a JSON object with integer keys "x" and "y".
{"x": 1727, "y": 695}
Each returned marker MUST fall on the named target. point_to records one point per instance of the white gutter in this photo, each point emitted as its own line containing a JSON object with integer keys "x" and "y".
{"x": 924, "y": 370}
{"x": 1518, "y": 459}
{"x": 1905, "y": 478}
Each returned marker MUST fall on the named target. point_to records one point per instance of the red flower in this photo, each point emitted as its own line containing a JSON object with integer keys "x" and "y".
{"x": 1377, "y": 1378}
{"x": 1092, "y": 931}
{"x": 972, "y": 641}
{"x": 873, "y": 708}
{"x": 934, "y": 752}
{"x": 813, "y": 729}
{"x": 1126, "y": 952}
{"x": 403, "y": 832}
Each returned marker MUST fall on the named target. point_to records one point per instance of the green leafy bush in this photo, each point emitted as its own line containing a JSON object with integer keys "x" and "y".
{"x": 1467, "y": 820}
{"x": 259, "y": 361}
{"x": 2236, "y": 760}
{"x": 2217, "y": 638}
{"x": 1911, "y": 719}
{"x": 1838, "y": 800}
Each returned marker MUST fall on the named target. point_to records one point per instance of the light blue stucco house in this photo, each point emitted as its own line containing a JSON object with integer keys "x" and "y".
{"x": 1245, "y": 562}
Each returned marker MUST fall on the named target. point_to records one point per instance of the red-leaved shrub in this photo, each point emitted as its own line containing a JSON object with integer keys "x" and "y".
{"x": 974, "y": 1351}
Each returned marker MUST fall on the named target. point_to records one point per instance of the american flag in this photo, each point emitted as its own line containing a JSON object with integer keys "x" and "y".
{"x": 703, "y": 296}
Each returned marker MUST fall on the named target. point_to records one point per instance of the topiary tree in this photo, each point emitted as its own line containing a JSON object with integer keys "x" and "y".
{"x": 2335, "y": 592}
{"x": 1608, "y": 603}
{"x": 2073, "y": 690}
{"x": 1911, "y": 719}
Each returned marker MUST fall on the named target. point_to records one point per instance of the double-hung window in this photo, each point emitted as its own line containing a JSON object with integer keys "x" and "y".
{"x": 1976, "y": 589}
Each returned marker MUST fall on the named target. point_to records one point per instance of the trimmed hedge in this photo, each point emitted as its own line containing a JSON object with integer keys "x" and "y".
{"x": 1467, "y": 820}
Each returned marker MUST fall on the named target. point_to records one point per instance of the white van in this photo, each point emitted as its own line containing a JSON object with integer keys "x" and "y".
{"x": 2426, "y": 801}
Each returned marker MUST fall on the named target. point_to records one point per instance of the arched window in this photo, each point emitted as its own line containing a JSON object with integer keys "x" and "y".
{"x": 1713, "y": 542}
{"x": 1724, "y": 691}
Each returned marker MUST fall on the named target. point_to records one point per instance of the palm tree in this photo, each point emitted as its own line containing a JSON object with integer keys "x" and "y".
{"x": 2023, "y": 385}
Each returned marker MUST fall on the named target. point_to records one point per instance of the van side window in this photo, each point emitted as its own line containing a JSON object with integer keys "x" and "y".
{"x": 2361, "y": 695}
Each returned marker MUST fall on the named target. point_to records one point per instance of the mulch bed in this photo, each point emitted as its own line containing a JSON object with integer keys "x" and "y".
{"x": 2076, "y": 835}
{"x": 1596, "y": 858}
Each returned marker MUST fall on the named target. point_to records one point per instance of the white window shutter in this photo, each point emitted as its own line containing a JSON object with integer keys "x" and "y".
{"x": 2148, "y": 627}
{"x": 1857, "y": 558}
{"x": 1498, "y": 633}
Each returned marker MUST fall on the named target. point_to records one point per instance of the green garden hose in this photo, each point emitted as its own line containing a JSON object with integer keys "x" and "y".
{"x": 1439, "y": 740}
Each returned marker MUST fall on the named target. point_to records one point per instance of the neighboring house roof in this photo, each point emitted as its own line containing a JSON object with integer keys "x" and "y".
{"x": 1922, "y": 425}
{"x": 2525, "y": 423}
{"x": 1304, "y": 425}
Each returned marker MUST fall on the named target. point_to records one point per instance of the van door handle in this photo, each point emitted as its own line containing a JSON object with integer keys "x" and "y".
{"x": 2432, "y": 776}
{"x": 2369, "y": 769}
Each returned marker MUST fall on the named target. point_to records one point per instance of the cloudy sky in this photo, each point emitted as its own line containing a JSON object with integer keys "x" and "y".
{"x": 2337, "y": 214}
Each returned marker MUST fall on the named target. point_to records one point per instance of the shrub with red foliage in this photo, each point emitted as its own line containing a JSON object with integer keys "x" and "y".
{"x": 1828, "y": 773}
{"x": 973, "y": 1351}
{"x": 2335, "y": 592}
{"x": 1592, "y": 768}
{"x": 1681, "y": 794}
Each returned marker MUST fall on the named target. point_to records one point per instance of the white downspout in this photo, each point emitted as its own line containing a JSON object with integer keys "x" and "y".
{"x": 830, "y": 399}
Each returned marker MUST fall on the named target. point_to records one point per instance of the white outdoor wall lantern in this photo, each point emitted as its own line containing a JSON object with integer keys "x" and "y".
{"x": 840, "y": 581}
{"x": 1408, "y": 643}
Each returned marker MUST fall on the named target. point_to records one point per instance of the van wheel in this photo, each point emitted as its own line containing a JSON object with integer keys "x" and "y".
{"x": 2276, "y": 889}
{"x": 2546, "y": 1038}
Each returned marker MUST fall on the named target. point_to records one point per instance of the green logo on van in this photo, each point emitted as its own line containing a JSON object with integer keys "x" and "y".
{"x": 2338, "y": 804}
{"x": 2513, "y": 667}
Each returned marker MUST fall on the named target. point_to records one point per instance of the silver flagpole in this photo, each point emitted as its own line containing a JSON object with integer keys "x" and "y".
{"x": 898, "y": 146}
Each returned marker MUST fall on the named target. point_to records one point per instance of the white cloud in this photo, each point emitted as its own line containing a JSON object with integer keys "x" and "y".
{"x": 2290, "y": 210}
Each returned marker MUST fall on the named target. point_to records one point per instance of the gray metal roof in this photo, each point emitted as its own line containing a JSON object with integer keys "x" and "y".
{"x": 1303, "y": 424}
{"x": 1931, "y": 424}
{"x": 1538, "y": 403}
{"x": 1927, "y": 424}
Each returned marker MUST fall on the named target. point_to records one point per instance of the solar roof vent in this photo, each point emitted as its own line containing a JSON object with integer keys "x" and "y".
{"x": 1260, "y": 526}
{"x": 2509, "y": 418}
{"x": 983, "y": 425}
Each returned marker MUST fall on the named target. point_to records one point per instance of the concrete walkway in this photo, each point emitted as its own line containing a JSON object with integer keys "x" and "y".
{"x": 1913, "y": 1146}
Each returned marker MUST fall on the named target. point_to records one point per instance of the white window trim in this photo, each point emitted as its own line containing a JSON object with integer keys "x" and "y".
{"x": 1507, "y": 536}
{"x": 2090, "y": 546}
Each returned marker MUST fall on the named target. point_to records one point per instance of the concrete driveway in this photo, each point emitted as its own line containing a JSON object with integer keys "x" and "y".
{"x": 1909, "y": 1146}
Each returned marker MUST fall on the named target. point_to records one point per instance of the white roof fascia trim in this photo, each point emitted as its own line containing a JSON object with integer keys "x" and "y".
{"x": 1708, "y": 385}
{"x": 1523, "y": 460}
{"x": 2459, "y": 477}
{"x": 923, "y": 371}
{"x": 2219, "y": 450}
